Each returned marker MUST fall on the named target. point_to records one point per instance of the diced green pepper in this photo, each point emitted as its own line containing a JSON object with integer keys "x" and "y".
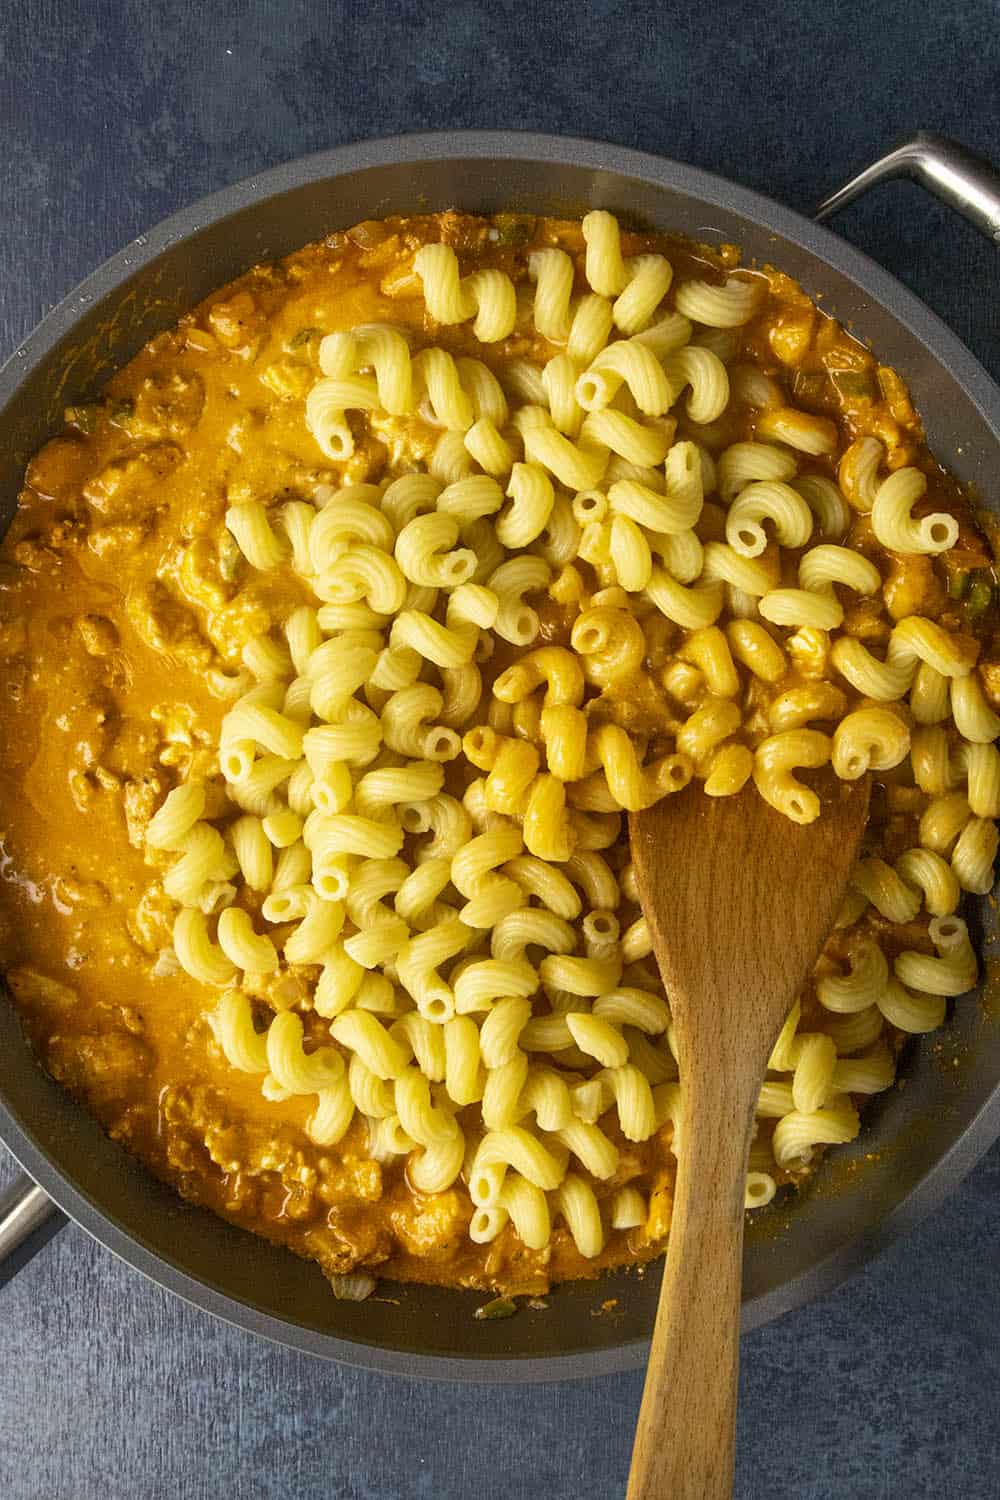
{"x": 514, "y": 229}
{"x": 854, "y": 385}
{"x": 500, "y": 1307}
{"x": 303, "y": 336}
{"x": 230, "y": 557}
{"x": 980, "y": 595}
{"x": 958, "y": 582}
{"x": 808, "y": 385}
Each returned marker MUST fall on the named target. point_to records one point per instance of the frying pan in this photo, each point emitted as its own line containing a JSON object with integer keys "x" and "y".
{"x": 917, "y": 1142}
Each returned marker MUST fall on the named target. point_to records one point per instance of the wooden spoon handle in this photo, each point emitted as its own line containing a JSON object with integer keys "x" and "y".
{"x": 686, "y": 1433}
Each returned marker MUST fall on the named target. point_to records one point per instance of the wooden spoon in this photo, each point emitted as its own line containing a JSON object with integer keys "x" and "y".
{"x": 739, "y": 901}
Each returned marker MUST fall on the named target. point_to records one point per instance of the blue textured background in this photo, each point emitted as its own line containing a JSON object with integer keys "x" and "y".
{"x": 114, "y": 114}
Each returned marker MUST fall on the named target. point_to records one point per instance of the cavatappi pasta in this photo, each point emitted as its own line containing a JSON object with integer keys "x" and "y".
{"x": 355, "y": 615}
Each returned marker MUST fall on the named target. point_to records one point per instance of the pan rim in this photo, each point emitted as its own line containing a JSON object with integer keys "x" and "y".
{"x": 513, "y": 145}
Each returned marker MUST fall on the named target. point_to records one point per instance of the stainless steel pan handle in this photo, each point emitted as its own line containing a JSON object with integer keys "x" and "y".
{"x": 28, "y": 1219}
{"x": 951, "y": 172}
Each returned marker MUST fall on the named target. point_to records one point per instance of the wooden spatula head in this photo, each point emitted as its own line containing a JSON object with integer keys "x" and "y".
{"x": 740, "y": 900}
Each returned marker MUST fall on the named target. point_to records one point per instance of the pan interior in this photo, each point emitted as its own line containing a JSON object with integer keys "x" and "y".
{"x": 917, "y": 1140}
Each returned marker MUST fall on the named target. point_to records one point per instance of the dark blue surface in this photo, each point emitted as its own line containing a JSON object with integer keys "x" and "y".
{"x": 112, "y": 115}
